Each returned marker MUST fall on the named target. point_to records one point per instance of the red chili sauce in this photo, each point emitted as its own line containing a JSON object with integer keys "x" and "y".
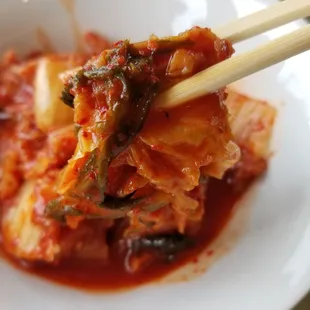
{"x": 221, "y": 200}
{"x": 90, "y": 275}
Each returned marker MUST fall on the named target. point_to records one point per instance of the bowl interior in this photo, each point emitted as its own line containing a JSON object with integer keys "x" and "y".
{"x": 269, "y": 268}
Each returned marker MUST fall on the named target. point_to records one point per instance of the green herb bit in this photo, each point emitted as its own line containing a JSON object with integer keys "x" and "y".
{"x": 57, "y": 211}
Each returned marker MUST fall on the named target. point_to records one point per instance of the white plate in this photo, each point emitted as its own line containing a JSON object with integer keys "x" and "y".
{"x": 270, "y": 267}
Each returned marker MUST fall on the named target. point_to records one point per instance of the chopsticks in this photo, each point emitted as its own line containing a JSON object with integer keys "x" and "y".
{"x": 235, "y": 68}
{"x": 240, "y": 66}
{"x": 273, "y": 16}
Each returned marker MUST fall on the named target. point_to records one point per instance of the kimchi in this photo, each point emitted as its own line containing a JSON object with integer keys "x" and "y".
{"x": 85, "y": 155}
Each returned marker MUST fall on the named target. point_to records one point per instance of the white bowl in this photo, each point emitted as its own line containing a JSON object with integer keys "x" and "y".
{"x": 269, "y": 268}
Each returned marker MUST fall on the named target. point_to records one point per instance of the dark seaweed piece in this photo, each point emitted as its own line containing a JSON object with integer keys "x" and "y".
{"x": 133, "y": 123}
{"x": 66, "y": 97}
{"x": 56, "y": 210}
{"x": 141, "y": 92}
{"x": 76, "y": 80}
{"x": 79, "y": 78}
{"x": 115, "y": 203}
{"x": 164, "y": 244}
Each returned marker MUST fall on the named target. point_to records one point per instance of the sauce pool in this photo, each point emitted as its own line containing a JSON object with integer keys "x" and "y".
{"x": 87, "y": 275}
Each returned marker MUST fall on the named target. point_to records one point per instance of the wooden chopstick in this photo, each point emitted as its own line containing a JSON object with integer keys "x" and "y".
{"x": 273, "y": 16}
{"x": 259, "y": 22}
{"x": 245, "y": 64}
{"x": 235, "y": 68}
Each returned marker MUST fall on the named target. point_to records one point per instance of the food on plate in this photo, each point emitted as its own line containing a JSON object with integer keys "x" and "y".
{"x": 97, "y": 183}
